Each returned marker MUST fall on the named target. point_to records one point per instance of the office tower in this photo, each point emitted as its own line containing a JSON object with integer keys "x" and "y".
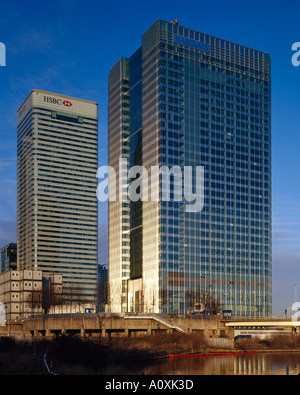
{"x": 102, "y": 287}
{"x": 8, "y": 257}
{"x": 118, "y": 211}
{"x": 57, "y": 202}
{"x": 187, "y": 99}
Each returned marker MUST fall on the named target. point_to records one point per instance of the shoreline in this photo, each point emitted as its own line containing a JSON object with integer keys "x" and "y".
{"x": 72, "y": 355}
{"x": 148, "y": 356}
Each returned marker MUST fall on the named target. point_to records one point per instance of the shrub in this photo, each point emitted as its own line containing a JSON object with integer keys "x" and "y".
{"x": 274, "y": 342}
{"x": 75, "y": 351}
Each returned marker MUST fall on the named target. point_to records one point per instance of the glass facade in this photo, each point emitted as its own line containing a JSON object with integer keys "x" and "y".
{"x": 57, "y": 203}
{"x": 119, "y": 211}
{"x": 196, "y": 100}
{"x": 8, "y": 257}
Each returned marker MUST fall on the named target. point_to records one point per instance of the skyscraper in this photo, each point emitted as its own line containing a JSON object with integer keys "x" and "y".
{"x": 8, "y": 257}
{"x": 187, "y": 99}
{"x": 57, "y": 205}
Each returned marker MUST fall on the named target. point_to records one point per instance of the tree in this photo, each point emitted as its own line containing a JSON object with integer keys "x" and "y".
{"x": 33, "y": 298}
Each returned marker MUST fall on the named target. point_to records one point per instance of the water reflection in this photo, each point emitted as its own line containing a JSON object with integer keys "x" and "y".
{"x": 259, "y": 364}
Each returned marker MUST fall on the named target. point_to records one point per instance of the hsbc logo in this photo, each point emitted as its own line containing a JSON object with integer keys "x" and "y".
{"x": 22, "y": 110}
{"x": 59, "y": 102}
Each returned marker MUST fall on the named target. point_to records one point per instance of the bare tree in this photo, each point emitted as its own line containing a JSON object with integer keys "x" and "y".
{"x": 105, "y": 319}
{"x": 73, "y": 296}
{"x": 34, "y": 300}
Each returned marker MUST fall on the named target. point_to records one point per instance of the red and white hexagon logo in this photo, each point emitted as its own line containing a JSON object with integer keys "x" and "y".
{"x": 67, "y": 103}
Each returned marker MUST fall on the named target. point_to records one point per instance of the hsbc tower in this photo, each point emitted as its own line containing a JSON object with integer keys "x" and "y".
{"x": 57, "y": 228}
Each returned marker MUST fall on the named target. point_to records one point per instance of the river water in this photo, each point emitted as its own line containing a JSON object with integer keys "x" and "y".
{"x": 258, "y": 364}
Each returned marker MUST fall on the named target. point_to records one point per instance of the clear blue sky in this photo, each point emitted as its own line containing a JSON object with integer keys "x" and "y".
{"x": 69, "y": 46}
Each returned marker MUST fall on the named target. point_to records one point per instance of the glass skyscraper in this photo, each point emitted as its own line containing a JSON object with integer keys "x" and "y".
{"x": 185, "y": 98}
{"x": 8, "y": 257}
{"x": 57, "y": 228}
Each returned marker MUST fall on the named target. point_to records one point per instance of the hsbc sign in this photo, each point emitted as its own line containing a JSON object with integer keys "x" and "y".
{"x": 53, "y": 100}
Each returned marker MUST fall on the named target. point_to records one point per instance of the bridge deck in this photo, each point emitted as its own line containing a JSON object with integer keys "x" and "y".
{"x": 283, "y": 323}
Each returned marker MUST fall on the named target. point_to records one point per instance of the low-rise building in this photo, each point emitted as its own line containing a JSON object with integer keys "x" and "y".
{"x": 21, "y": 293}
{"x": 31, "y": 293}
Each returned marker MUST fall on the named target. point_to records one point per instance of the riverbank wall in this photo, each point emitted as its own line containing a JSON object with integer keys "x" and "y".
{"x": 105, "y": 325}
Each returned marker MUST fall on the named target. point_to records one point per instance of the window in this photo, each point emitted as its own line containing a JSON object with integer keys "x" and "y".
{"x": 66, "y": 117}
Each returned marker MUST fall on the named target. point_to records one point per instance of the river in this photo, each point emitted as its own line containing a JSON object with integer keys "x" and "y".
{"x": 279, "y": 363}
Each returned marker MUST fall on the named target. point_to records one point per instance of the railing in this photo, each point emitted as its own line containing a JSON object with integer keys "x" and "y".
{"x": 259, "y": 318}
{"x": 159, "y": 319}
{"x": 163, "y": 316}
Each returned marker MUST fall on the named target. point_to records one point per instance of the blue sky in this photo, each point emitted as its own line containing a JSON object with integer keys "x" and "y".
{"x": 69, "y": 46}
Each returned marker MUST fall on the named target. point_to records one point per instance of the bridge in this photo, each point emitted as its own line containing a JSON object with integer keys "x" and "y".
{"x": 263, "y": 327}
